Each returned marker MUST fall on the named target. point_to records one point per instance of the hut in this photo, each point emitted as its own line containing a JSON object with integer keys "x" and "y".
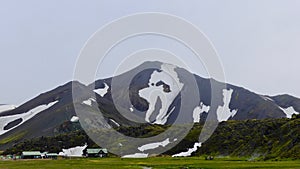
{"x": 31, "y": 155}
{"x": 96, "y": 152}
{"x": 52, "y": 155}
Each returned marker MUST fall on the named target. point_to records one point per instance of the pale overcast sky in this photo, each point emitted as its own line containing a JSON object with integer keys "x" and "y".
{"x": 258, "y": 41}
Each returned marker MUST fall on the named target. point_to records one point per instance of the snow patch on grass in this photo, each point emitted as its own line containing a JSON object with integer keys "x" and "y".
{"x": 189, "y": 152}
{"x": 154, "y": 145}
{"x": 73, "y": 152}
{"x": 136, "y": 155}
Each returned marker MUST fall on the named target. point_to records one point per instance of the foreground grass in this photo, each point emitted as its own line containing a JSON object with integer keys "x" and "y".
{"x": 159, "y": 162}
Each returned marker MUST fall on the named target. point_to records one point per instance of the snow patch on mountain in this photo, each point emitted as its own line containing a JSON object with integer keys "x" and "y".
{"x": 189, "y": 152}
{"x": 4, "y": 108}
{"x": 113, "y": 121}
{"x": 5, "y": 120}
{"x": 289, "y": 111}
{"x": 102, "y": 91}
{"x": 131, "y": 108}
{"x": 74, "y": 152}
{"x": 165, "y": 119}
{"x": 89, "y": 101}
{"x": 266, "y": 98}
{"x": 198, "y": 111}
{"x": 74, "y": 119}
{"x": 224, "y": 112}
{"x": 136, "y": 155}
{"x": 154, "y": 92}
{"x": 154, "y": 145}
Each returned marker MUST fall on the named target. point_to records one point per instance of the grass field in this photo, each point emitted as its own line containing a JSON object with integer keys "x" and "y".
{"x": 165, "y": 162}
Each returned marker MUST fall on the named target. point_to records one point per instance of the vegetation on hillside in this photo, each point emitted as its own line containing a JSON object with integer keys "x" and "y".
{"x": 255, "y": 139}
{"x": 268, "y": 139}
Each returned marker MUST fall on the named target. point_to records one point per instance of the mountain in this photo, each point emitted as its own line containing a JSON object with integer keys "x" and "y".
{"x": 153, "y": 93}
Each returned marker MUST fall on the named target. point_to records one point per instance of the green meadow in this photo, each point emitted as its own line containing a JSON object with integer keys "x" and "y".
{"x": 147, "y": 163}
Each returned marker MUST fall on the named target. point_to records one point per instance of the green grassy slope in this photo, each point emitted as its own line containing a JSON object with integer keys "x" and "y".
{"x": 153, "y": 163}
{"x": 253, "y": 139}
